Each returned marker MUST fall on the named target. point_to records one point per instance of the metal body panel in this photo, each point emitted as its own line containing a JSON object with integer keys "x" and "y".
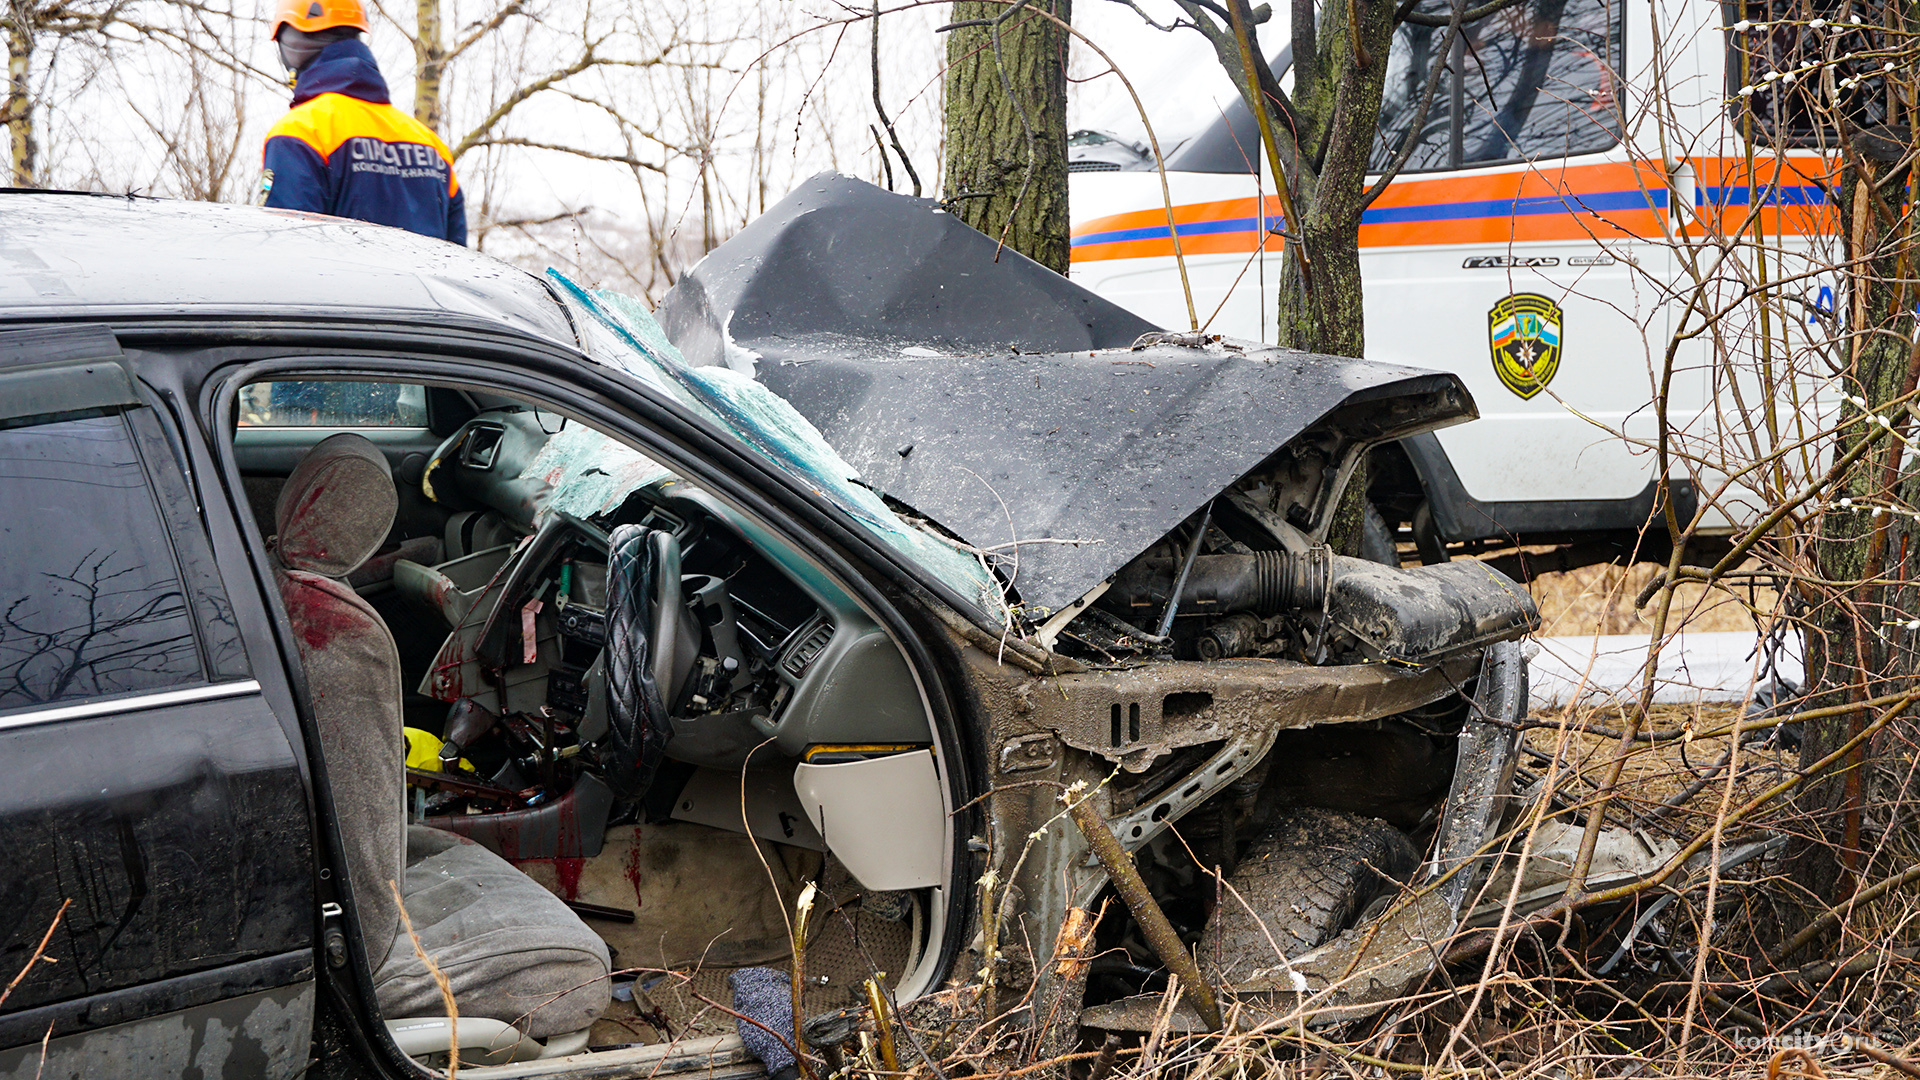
{"x": 890, "y": 326}
{"x": 125, "y": 257}
{"x": 258, "y": 1036}
{"x": 180, "y": 834}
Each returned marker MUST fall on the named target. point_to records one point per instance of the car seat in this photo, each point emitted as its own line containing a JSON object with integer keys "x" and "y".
{"x": 512, "y": 951}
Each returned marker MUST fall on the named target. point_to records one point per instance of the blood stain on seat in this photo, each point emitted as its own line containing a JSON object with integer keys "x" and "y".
{"x": 316, "y": 618}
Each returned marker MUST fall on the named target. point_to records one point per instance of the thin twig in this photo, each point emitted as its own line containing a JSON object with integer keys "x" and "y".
{"x": 38, "y": 951}
{"x": 439, "y": 979}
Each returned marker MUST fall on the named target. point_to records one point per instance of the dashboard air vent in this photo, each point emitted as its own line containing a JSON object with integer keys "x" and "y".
{"x": 808, "y": 649}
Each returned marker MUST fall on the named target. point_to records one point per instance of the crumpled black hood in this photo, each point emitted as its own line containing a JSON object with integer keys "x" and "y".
{"x": 998, "y": 398}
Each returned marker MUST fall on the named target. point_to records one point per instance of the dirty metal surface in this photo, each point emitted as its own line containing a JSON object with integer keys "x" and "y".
{"x": 891, "y": 328}
{"x": 179, "y": 831}
{"x": 719, "y": 1057}
{"x": 1136, "y": 715}
{"x": 259, "y": 1036}
{"x": 1620, "y": 857}
{"x": 1482, "y": 771}
{"x": 1353, "y": 975}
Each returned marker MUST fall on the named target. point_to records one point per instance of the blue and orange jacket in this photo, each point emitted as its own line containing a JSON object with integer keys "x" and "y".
{"x": 344, "y": 150}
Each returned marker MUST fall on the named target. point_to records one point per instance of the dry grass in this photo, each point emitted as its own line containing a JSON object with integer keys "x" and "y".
{"x": 1536, "y": 1004}
{"x": 1599, "y": 600}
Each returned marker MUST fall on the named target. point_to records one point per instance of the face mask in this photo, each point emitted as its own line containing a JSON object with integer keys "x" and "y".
{"x": 298, "y": 48}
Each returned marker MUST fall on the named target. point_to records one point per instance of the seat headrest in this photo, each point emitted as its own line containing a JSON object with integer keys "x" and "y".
{"x": 337, "y": 507}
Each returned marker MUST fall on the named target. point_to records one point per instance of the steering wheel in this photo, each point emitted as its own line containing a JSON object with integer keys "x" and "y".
{"x": 653, "y": 641}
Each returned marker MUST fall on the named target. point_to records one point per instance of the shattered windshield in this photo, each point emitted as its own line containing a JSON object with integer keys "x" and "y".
{"x": 619, "y": 331}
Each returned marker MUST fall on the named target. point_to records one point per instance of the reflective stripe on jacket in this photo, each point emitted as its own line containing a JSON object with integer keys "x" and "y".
{"x": 344, "y": 150}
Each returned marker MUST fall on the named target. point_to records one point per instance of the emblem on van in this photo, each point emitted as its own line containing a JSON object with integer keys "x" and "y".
{"x": 1523, "y": 331}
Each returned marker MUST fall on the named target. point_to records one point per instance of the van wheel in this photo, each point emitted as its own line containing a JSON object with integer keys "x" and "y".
{"x": 1376, "y": 537}
{"x": 1298, "y": 886}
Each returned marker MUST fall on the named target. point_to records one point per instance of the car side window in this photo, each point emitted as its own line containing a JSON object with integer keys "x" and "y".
{"x": 334, "y": 404}
{"x": 91, "y": 598}
{"x": 1536, "y": 80}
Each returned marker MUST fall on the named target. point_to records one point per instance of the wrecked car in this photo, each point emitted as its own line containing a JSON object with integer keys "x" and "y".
{"x": 385, "y": 624}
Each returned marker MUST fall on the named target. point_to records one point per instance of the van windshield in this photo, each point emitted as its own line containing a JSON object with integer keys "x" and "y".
{"x": 1188, "y": 97}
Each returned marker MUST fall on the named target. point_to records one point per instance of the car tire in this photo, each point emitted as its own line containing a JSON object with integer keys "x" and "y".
{"x": 1376, "y": 537}
{"x": 1298, "y": 886}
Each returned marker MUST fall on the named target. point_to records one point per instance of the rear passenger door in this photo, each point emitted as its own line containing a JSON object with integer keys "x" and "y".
{"x": 157, "y": 896}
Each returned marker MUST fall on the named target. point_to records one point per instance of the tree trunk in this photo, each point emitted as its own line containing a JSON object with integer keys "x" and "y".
{"x": 1323, "y": 148}
{"x": 18, "y": 109}
{"x": 1861, "y": 646}
{"x": 1007, "y": 127}
{"x": 1320, "y": 310}
{"x": 430, "y": 63}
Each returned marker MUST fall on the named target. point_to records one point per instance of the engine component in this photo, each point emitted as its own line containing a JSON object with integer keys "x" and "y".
{"x": 1265, "y": 583}
{"x": 1411, "y": 616}
{"x": 1427, "y": 613}
{"x": 1235, "y": 635}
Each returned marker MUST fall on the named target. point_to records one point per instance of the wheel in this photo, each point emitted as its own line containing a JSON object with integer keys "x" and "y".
{"x": 1298, "y": 886}
{"x": 1376, "y": 537}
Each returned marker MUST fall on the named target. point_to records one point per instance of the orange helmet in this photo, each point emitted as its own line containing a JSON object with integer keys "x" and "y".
{"x": 312, "y": 15}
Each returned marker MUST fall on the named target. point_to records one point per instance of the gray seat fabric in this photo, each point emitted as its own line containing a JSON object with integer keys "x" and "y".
{"x": 512, "y": 950}
{"x": 495, "y": 934}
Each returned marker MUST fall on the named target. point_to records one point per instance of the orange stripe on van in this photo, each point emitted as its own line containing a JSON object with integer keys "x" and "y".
{"x": 1608, "y": 201}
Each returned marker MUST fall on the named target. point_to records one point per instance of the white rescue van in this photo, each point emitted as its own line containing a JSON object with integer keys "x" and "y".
{"x": 1532, "y": 245}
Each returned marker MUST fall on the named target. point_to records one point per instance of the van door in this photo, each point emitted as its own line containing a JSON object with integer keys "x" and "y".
{"x": 1514, "y": 250}
{"x": 156, "y": 915}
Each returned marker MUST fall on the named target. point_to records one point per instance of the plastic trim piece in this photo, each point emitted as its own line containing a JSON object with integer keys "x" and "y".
{"x": 882, "y": 818}
{"x": 75, "y": 372}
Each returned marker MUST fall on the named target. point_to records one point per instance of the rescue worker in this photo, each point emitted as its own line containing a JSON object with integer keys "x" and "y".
{"x": 343, "y": 149}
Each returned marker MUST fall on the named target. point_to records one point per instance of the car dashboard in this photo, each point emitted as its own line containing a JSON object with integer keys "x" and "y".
{"x": 787, "y": 668}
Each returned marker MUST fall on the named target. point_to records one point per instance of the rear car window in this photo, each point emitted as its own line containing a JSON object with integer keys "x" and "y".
{"x": 1536, "y": 80}
{"x": 333, "y": 404}
{"x": 91, "y": 599}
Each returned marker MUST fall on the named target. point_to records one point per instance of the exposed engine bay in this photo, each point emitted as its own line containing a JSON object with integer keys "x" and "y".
{"x": 1181, "y": 640}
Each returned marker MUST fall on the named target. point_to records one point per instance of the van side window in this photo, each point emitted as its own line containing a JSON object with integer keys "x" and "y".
{"x": 1408, "y": 67}
{"x": 1536, "y": 80}
{"x": 1791, "y": 108}
{"x": 91, "y": 599}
